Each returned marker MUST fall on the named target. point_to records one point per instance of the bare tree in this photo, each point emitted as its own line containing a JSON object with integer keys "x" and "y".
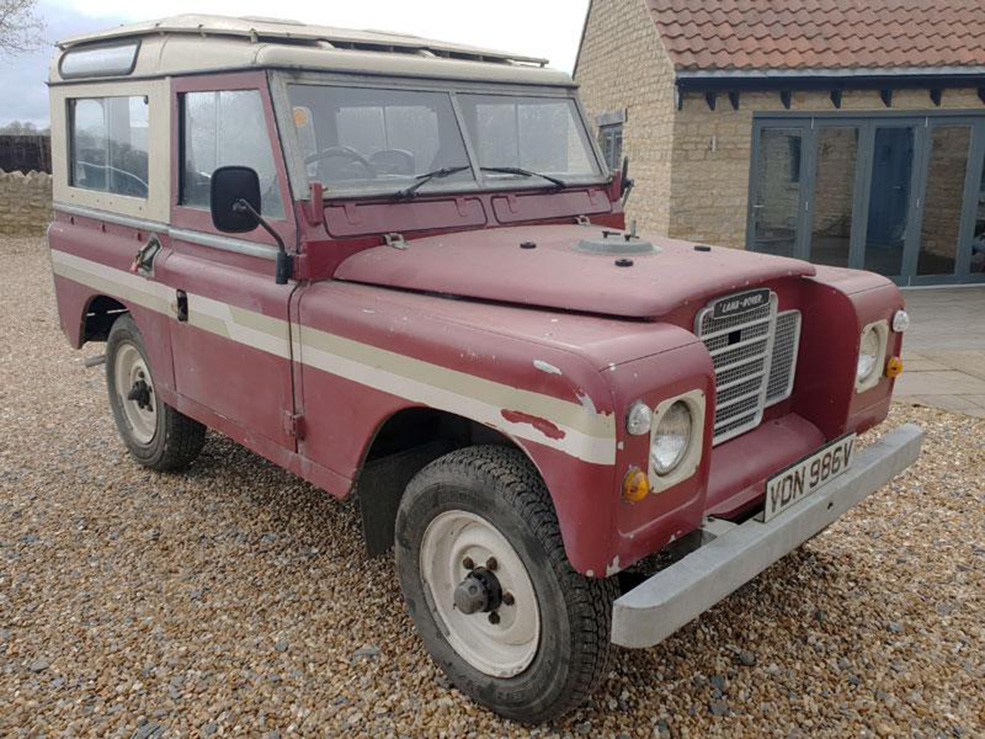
{"x": 20, "y": 26}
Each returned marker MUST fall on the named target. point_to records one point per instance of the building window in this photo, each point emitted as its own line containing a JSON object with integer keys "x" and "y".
{"x": 225, "y": 128}
{"x": 610, "y": 140}
{"x": 109, "y": 145}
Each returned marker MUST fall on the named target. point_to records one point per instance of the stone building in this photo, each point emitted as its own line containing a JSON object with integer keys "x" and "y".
{"x": 846, "y": 132}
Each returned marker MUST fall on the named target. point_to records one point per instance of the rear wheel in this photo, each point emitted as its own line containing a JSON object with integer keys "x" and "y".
{"x": 156, "y": 434}
{"x": 490, "y": 589}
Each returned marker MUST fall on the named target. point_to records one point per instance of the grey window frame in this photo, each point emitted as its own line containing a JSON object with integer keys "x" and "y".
{"x": 923, "y": 123}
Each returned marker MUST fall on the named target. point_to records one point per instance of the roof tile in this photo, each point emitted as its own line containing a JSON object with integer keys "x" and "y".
{"x": 819, "y": 34}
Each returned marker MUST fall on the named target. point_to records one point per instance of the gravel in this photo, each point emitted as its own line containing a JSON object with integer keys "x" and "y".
{"x": 238, "y": 599}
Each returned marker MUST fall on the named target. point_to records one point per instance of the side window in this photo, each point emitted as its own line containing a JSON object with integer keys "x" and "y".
{"x": 109, "y": 145}
{"x": 610, "y": 141}
{"x": 220, "y": 129}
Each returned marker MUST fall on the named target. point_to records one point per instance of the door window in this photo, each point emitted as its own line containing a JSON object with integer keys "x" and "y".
{"x": 222, "y": 128}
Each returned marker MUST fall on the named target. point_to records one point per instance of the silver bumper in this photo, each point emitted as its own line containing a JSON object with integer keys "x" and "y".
{"x": 658, "y": 607}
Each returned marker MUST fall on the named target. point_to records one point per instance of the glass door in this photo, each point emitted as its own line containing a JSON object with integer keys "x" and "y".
{"x": 888, "y": 223}
{"x": 775, "y": 202}
{"x": 832, "y": 193}
{"x": 943, "y": 200}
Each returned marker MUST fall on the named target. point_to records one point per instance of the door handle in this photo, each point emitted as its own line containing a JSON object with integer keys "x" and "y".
{"x": 180, "y": 306}
{"x": 143, "y": 262}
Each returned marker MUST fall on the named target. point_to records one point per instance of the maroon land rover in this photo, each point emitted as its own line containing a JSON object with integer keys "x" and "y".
{"x": 399, "y": 268}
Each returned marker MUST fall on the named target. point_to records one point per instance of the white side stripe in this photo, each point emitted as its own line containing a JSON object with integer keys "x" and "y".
{"x": 574, "y": 428}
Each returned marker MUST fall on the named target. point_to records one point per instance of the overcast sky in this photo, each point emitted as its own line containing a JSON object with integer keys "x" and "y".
{"x": 547, "y": 28}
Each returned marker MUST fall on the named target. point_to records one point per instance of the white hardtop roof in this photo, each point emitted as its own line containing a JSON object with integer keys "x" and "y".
{"x": 192, "y": 43}
{"x": 276, "y": 29}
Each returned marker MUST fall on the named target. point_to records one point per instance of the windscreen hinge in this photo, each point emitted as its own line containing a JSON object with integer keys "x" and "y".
{"x": 395, "y": 240}
{"x": 583, "y": 221}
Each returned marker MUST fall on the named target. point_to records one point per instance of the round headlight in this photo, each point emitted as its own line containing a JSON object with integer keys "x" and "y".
{"x": 868, "y": 355}
{"x": 671, "y": 438}
{"x": 639, "y": 418}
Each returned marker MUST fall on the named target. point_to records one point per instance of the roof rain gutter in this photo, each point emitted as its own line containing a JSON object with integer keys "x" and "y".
{"x": 833, "y": 81}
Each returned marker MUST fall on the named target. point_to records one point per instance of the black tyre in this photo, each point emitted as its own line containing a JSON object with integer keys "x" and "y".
{"x": 156, "y": 434}
{"x": 487, "y": 582}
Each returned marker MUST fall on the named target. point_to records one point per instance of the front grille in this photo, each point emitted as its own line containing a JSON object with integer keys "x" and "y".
{"x": 755, "y": 357}
{"x": 784, "y": 364}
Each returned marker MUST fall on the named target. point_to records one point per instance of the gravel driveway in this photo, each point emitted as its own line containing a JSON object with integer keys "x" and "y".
{"x": 237, "y": 599}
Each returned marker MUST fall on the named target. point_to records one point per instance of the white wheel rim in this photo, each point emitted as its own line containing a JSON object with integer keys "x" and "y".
{"x": 130, "y": 368}
{"x": 503, "y": 649}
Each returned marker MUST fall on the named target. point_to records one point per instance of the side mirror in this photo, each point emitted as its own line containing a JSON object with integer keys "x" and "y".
{"x": 235, "y": 201}
{"x": 232, "y": 189}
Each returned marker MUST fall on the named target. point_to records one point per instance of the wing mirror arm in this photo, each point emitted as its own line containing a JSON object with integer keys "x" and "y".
{"x": 283, "y": 269}
{"x": 235, "y": 205}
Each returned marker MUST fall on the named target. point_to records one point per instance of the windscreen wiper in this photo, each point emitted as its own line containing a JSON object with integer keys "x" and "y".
{"x": 560, "y": 184}
{"x": 423, "y": 179}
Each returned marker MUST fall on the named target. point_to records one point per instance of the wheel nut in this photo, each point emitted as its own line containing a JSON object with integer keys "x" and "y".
{"x": 508, "y": 599}
{"x": 491, "y": 564}
{"x": 468, "y": 564}
{"x": 494, "y": 618}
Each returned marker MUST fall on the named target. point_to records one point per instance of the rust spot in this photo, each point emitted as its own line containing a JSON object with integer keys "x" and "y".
{"x": 548, "y": 429}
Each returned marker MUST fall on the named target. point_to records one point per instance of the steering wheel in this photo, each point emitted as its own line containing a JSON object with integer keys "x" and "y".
{"x": 342, "y": 151}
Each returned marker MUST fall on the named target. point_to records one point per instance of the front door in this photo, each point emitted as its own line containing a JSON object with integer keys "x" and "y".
{"x": 230, "y": 335}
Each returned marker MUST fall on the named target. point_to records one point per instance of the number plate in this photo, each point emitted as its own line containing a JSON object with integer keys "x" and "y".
{"x": 804, "y": 477}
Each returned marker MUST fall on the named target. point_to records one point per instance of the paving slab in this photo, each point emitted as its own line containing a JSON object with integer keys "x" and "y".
{"x": 950, "y": 382}
{"x": 923, "y": 365}
{"x": 944, "y": 350}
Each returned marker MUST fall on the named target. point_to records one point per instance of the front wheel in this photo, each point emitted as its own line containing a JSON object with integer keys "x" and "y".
{"x": 156, "y": 434}
{"x": 487, "y": 582}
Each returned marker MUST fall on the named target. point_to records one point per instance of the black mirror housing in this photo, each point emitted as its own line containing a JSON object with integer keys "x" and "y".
{"x": 231, "y": 187}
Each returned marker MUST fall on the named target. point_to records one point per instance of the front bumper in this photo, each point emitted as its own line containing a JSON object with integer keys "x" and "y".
{"x": 736, "y": 553}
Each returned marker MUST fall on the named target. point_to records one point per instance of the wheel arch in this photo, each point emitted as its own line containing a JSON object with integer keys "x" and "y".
{"x": 403, "y": 444}
{"x": 98, "y": 316}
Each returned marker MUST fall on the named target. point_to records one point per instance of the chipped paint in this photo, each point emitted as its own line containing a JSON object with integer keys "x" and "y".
{"x": 590, "y": 573}
{"x": 547, "y": 367}
{"x": 548, "y": 429}
{"x": 587, "y": 403}
{"x": 613, "y": 568}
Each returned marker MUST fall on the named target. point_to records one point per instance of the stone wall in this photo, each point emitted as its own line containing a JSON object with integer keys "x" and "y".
{"x": 25, "y": 203}
{"x": 623, "y": 68}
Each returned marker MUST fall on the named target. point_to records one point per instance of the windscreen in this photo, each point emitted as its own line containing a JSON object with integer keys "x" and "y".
{"x": 540, "y": 134}
{"x": 382, "y": 140}
{"x": 354, "y": 138}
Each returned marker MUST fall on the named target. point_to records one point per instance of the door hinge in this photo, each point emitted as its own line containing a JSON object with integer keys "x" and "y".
{"x": 294, "y": 425}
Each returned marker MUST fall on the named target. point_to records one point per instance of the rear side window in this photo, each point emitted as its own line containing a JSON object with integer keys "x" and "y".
{"x": 109, "y": 145}
{"x": 223, "y": 128}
